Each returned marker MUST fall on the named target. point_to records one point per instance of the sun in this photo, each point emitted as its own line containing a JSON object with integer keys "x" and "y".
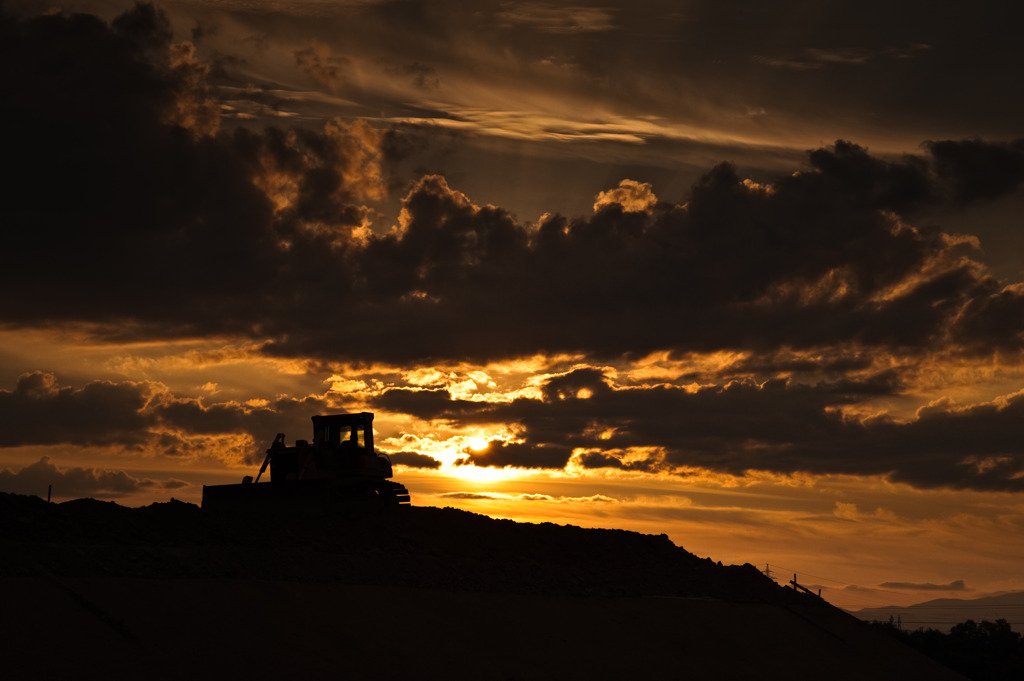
{"x": 477, "y": 443}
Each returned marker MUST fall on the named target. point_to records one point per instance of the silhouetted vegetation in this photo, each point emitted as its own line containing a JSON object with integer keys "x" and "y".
{"x": 982, "y": 651}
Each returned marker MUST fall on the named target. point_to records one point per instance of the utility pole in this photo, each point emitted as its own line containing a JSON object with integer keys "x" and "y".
{"x": 799, "y": 587}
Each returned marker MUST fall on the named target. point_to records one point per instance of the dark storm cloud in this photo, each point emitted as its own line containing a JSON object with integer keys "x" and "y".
{"x": 501, "y": 454}
{"x": 426, "y": 404}
{"x": 156, "y": 221}
{"x": 123, "y": 215}
{"x": 808, "y": 262}
{"x": 139, "y": 415}
{"x": 37, "y": 478}
{"x": 777, "y": 426}
{"x": 414, "y": 460}
{"x": 835, "y": 366}
{"x": 819, "y": 258}
{"x": 39, "y": 411}
{"x": 978, "y": 170}
{"x": 611, "y": 460}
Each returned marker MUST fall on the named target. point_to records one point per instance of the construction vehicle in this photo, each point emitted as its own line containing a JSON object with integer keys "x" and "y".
{"x": 339, "y": 466}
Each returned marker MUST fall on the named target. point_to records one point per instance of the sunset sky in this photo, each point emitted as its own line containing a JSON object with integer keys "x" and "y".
{"x": 750, "y": 275}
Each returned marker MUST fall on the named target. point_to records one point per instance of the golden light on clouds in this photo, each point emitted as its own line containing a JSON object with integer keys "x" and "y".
{"x": 632, "y": 196}
{"x": 668, "y": 366}
{"x": 482, "y": 475}
{"x": 195, "y": 108}
{"x": 751, "y": 316}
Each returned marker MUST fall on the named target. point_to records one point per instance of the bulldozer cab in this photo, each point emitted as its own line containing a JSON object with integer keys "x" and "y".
{"x": 342, "y": 447}
{"x": 344, "y": 430}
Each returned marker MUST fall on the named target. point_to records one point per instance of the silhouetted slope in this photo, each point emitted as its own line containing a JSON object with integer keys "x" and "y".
{"x": 409, "y": 546}
{"x": 168, "y": 591}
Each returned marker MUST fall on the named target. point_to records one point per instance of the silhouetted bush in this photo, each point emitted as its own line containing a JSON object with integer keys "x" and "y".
{"x": 982, "y": 651}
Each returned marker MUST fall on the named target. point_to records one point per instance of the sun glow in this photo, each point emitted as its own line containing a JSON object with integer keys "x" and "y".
{"x": 481, "y": 474}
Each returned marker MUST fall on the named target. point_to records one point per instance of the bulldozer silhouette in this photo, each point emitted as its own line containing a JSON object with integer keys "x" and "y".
{"x": 339, "y": 466}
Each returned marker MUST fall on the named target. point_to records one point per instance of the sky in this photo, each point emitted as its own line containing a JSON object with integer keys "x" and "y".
{"x": 751, "y": 276}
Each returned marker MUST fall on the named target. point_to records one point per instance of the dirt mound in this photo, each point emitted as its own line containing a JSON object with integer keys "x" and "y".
{"x": 405, "y": 546}
{"x": 168, "y": 591}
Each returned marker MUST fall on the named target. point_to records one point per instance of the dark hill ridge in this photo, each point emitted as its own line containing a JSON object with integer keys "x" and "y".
{"x": 170, "y": 591}
{"x": 405, "y": 546}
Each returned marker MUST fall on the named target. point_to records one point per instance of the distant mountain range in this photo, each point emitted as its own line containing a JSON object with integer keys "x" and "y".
{"x": 943, "y": 613}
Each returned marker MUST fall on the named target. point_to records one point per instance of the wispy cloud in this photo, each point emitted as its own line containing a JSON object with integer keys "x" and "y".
{"x": 817, "y": 58}
{"x": 554, "y": 18}
{"x": 956, "y": 585}
{"x": 546, "y": 498}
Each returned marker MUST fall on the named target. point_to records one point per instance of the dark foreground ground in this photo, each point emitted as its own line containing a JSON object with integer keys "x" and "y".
{"x": 95, "y": 590}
